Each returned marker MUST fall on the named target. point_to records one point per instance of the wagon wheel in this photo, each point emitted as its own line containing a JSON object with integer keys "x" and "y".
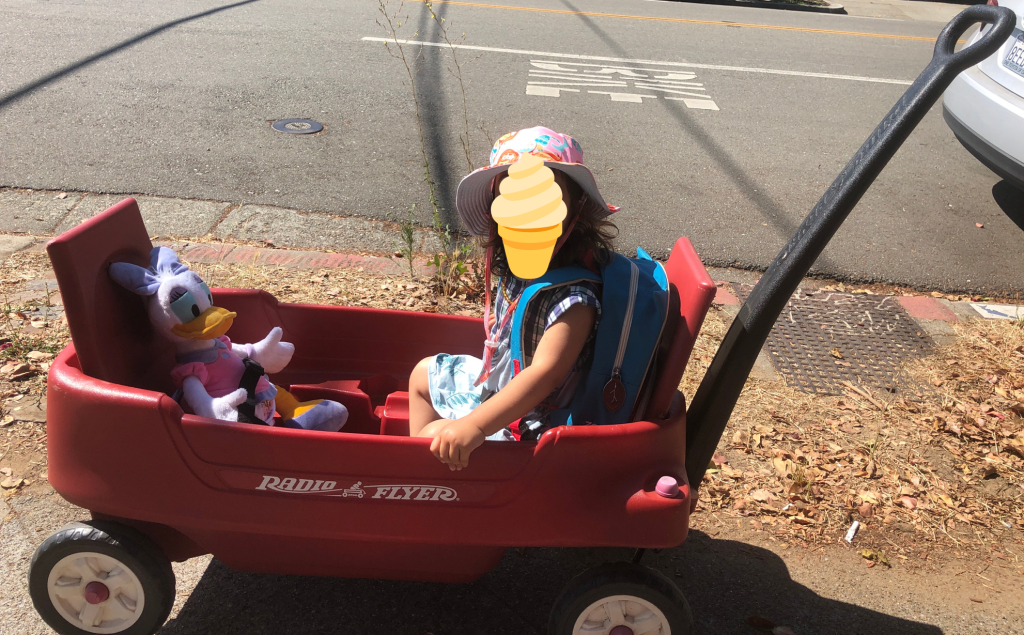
{"x": 101, "y": 577}
{"x": 620, "y": 599}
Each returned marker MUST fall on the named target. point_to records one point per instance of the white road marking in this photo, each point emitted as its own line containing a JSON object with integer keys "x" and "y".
{"x": 578, "y": 78}
{"x": 662, "y": 82}
{"x": 547, "y": 91}
{"x": 608, "y": 68}
{"x": 630, "y": 97}
{"x": 571, "y": 73}
{"x": 668, "y": 90}
{"x": 612, "y": 85}
{"x": 600, "y": 78}
{"x": 717, "y": 67}
{"x": 700, "y": 104}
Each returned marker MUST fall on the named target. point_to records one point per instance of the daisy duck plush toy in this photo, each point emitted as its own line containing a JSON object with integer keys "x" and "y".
{"x": 218, "y": 379}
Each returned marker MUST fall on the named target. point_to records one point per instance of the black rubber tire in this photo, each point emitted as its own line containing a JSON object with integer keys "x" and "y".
{"x": 620, "y": 578}
{"x": 129, "y": 546}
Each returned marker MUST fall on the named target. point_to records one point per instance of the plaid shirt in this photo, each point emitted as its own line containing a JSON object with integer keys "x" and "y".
{"x": 545, "y": 309}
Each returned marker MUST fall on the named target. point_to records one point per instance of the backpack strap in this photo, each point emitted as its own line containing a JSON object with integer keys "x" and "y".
{"x": 555, "y": 278}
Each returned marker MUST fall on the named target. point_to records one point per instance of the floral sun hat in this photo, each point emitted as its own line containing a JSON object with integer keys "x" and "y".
{"x": 559, "y": 151}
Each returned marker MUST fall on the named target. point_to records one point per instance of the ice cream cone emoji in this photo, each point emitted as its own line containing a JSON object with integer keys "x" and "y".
{"x": 529, "y": 213}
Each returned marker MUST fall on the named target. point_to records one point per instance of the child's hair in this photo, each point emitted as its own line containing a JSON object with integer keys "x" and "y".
{"x": 589, "y": 234}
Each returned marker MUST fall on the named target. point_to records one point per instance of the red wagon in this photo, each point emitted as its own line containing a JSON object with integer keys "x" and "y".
{"x": 366, "y": 502}
{"x": 370, "y": 501}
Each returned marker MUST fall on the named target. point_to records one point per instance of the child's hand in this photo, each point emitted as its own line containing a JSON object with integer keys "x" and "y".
{"x": 490, "y": 322}
{"x": 454, "y": 442}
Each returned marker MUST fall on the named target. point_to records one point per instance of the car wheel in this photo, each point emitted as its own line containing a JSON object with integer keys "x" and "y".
{"x": 621, "y": 599}
{"x": 101, "y": 577}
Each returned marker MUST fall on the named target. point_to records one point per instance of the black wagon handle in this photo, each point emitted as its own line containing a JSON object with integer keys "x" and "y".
{"x": 716, "y": 397}
{"x": 959, "y": 61}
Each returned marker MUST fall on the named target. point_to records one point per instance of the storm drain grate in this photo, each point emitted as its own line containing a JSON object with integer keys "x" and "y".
{"x": 826, "y": 338}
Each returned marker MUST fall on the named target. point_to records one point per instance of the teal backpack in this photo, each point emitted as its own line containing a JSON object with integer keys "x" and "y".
{"x": 634, "y": 309}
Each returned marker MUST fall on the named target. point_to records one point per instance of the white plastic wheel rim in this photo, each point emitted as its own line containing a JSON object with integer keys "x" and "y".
{"x": 66, "y": 586}
{"x": 640, "y": 615}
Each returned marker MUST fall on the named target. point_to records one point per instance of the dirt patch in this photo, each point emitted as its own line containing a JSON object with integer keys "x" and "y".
{"x": 941, "y": 466}
{"x": 32, "y": 331}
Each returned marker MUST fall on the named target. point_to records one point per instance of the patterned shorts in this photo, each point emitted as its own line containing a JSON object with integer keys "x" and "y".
{"x": 452, "y": 393}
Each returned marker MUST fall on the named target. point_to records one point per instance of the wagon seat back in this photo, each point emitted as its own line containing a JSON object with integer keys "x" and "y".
{"x": 109, "y": 326}
{"x": 691, "y": 291}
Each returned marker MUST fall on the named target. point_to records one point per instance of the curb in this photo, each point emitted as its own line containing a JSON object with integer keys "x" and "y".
{"x": 922, "y": 308}
{"x": 238, "y": 254}
{"x": 785, "y": 6}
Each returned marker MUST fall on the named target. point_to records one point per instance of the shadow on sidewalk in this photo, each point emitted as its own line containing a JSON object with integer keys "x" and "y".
{"x": 725, "y": 582}
{"x": 18, "y": 93}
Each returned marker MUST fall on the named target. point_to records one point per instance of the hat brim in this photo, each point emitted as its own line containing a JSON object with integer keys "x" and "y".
{"x": 474, "y": 197}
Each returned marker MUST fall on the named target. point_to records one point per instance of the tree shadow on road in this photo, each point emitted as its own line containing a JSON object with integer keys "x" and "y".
{"x": 725, "y": 582}
{"x": 754, "y": 192}
{"x": 437, "y": 133}
{"x": 31, "y": 87}
{"x": 1010, "y": 200}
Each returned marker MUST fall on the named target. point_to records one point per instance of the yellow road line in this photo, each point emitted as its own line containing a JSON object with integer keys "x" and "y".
{"x": 685, "y": 21}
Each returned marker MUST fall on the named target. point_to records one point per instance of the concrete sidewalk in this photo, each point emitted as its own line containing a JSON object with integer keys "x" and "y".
{"x": 49, "y": 213}
{"x": 903, "y": 9}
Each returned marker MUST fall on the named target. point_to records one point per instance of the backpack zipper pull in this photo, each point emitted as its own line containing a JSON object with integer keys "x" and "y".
{"x": 614, "y": 392}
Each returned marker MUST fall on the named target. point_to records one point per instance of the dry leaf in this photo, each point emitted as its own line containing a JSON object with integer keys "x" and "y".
{"x": 875, "y": 556}
{"x": 11, "y": 483}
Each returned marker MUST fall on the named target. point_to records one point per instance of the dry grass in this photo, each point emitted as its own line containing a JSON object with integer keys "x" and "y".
{"x": 32, "y": 330}
{"x": 945, "y": 467}
{"x": 347, "y": 287}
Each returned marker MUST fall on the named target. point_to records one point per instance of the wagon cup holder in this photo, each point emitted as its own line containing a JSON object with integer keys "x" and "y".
{"x": 375, "y": 405}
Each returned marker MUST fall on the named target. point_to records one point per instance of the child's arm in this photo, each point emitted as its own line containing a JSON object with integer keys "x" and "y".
{"x": 556, "y": 354}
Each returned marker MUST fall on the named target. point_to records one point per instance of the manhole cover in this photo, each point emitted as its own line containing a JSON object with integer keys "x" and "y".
{"x": 826, "y": 338}
{"x": 297, "y": 126}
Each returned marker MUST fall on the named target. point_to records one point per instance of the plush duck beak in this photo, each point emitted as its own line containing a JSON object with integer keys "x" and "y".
{"x": 211, "y": 323}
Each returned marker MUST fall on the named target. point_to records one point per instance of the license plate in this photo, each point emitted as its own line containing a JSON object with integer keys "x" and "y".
{"x": 1015, "y": 58}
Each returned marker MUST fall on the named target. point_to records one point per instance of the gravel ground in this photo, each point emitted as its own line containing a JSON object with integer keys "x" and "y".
{"x": 728, "y": 572}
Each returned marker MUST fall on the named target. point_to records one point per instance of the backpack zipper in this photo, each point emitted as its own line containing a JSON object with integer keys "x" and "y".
{"x": 643, "y": 406}
{"x": 634, "y": 282}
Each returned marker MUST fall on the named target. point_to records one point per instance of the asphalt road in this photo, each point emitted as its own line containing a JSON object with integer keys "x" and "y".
{"x": 178, "y": 98}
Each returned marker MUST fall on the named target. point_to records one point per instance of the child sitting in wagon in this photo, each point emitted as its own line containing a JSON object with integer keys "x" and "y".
{"x": 460, "y": 400}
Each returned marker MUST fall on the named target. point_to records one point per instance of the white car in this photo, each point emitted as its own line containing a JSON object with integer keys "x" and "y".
{"x": 984, "y": 106}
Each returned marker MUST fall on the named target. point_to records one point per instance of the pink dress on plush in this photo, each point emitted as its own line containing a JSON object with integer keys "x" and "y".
{"x": 220, "y": 371}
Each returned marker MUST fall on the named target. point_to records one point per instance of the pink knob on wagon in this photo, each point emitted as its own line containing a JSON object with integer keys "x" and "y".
{"x": 667, "y": 486}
